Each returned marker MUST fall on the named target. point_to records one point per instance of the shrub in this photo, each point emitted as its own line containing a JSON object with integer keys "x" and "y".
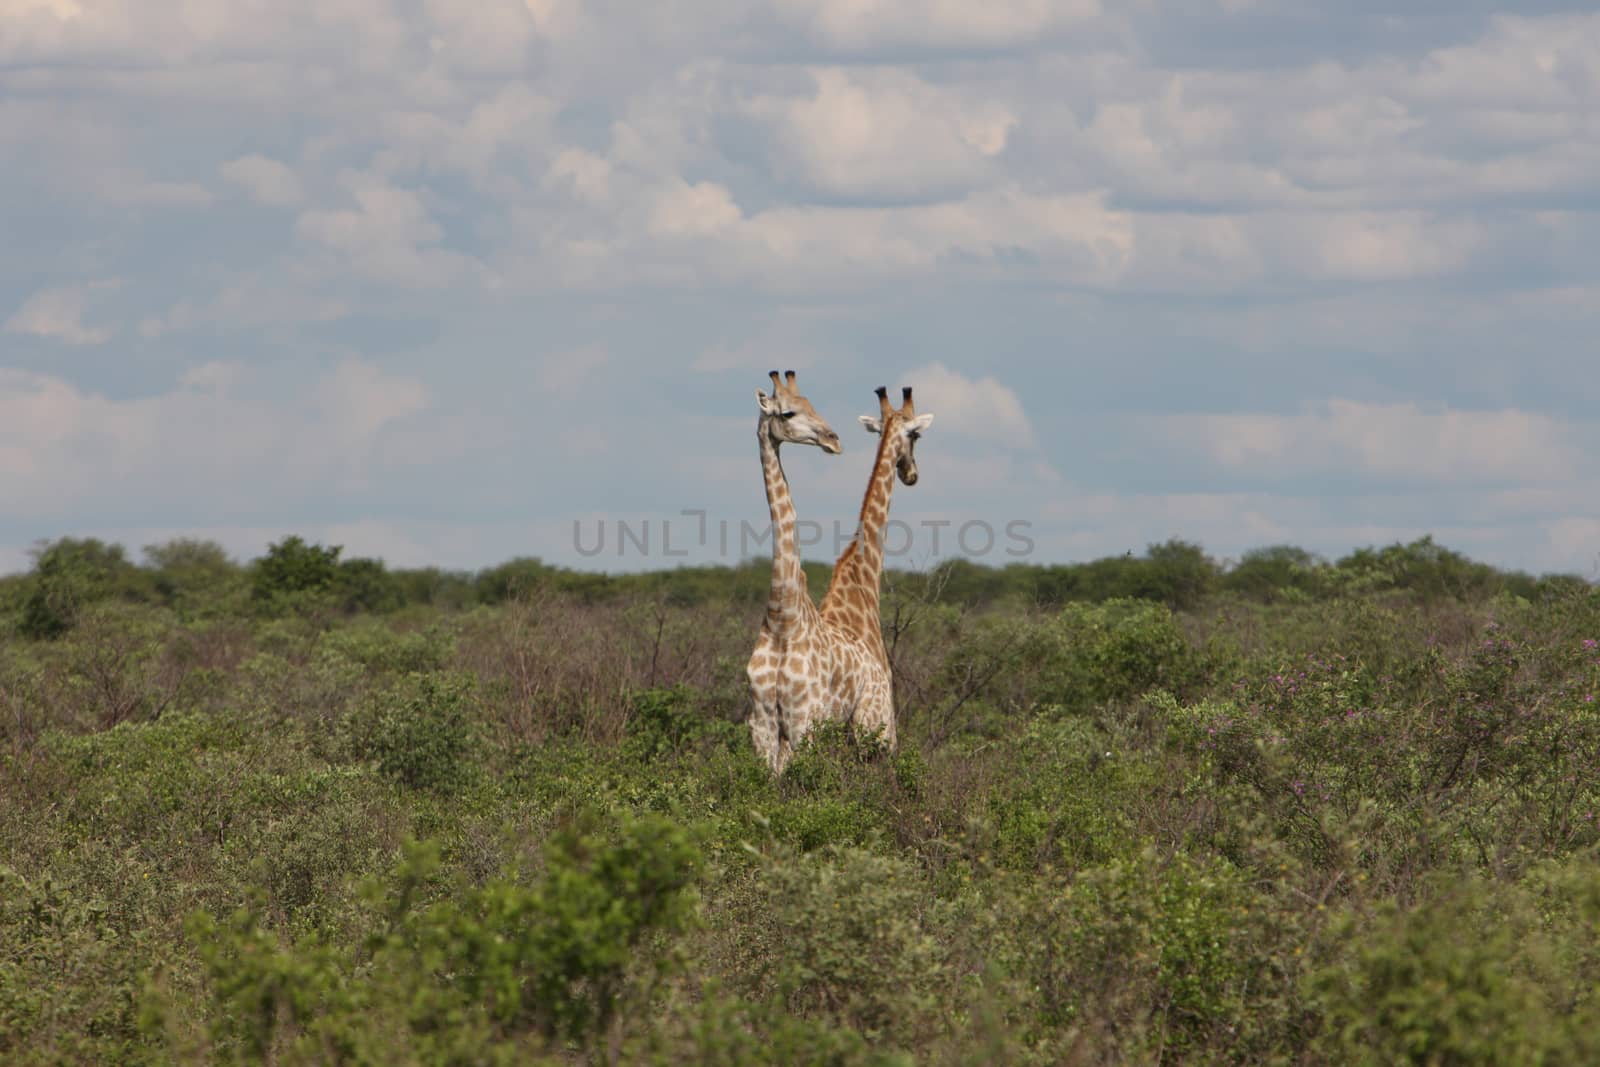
{"x": 382, "y": 648}
{"x": 848, "y": 943}
{"x": 68, "y": 576}
{"x": 423, "y": 735}
{"x": 367, "y": 585}
{"x": 1160, "y": 951}
{"x": 293, "y": 573}
{"x": 194, "y": 577}
{"x": 1278, "y": 572}
{"x": 481, "y": 975}
{"x": 1474, "y": 973}
{"x": 1068, "y": 808}
{"x": 69, "y": 985}
{"x": 667, "y": 722}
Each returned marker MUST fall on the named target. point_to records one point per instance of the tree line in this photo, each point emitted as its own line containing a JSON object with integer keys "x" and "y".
{"x": 199, "y": 579}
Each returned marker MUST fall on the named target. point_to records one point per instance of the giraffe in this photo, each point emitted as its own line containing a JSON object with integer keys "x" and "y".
{"x": 850, "y": 606}
{"x": 809, "y": 665}
{"x": 780, "y": 669}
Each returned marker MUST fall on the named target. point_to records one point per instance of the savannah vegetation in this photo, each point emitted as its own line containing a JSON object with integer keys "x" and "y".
{"x": 1148, "y": 809}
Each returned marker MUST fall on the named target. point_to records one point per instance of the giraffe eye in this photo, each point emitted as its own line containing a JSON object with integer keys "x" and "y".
{"x": 787, "y": 414}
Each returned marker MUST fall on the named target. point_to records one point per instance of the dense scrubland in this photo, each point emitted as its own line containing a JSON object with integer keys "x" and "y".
{"x": 1146, "y": 809}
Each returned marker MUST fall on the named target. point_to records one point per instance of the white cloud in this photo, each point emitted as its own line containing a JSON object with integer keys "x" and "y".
{"x": 1071, "y": 238}
{"x": 556, "y": 19}
{"x": 358, "y": 399}
{"x": 1380, "y": 247}
{"x": 63, "y": 10}
{"x": 389, "y": 236}
{"x": 702, "y": 210}
{"x": 58, "y": 314}
{"x": 1386, "y": 441}
{"x": 865, "y": 25}
{"x": 491, "y": 136}
{"x": 487, "y": 36}
{"x": 210, "y": 439}
{"x": 266, "y": 180}
{"x": 884, "y": 133}
{"x": 587, "y": 175}
{"x": 979, "y": 408}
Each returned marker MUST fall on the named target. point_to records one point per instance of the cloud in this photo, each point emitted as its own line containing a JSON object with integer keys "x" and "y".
{"x": 212, "y": 443}
{"x": 888, "y": 25}
{"x": 490, "y": 135}
{"x": 884, "y": 134}
{"x": 490, "y": 36}
{"x": 1401, "y": 441}
{"x": 358, "y": 399}
{"x": 389, "y": 236}
{"x": 266, "y": 180}
{"x": 57, "y": 314}
{"x": 701, "y": 210}
{"x": 1068, "y": 238}
{"x": 981, "y": 409}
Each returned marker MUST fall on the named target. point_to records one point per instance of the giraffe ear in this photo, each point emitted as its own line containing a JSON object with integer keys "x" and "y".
{"x": 872, "y": 424}
{"x": 768, "y": 404}
{"x": 921, "y": 422}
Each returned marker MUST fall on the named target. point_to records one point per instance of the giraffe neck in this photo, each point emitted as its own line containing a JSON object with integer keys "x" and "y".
{"x": 789, "y": 602}
{"x": 852, "y": 598}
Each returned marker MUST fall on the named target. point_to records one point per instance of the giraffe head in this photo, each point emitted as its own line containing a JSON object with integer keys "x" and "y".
{"x": 900, "y": 428}
{"x": 788, "y": 417}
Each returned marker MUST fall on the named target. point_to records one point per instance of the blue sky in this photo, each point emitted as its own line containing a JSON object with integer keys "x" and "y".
{"x": 437, "y": 281}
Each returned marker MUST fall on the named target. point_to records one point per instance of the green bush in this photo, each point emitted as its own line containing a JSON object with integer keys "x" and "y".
{"x": 423, "y": 734}
{"x": 1161, "y": 949}
{"x": 71, "y": 980}
{"x": 1474, "y": 973}
{"x": 1068, "y": 810}
{"x": 1278, "y": 572}
{"x": 1084, "y": 657}
{"x": 1430, "y": 570}
{"x": 848, "y": 942}
{"x": 71, "y": 574}
{"x": 382, "y": 649}
{"x": 667, "y": 722}
{"x": 294, "y": 573}
{"x": 195, "y": 578}
{"x": 491, "y": 974}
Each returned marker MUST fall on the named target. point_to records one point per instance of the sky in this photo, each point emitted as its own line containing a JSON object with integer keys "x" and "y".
{"x": 449, "y": 283}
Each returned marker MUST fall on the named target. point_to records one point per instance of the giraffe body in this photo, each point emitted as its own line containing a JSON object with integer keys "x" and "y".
{"x": 809, "y": 674}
